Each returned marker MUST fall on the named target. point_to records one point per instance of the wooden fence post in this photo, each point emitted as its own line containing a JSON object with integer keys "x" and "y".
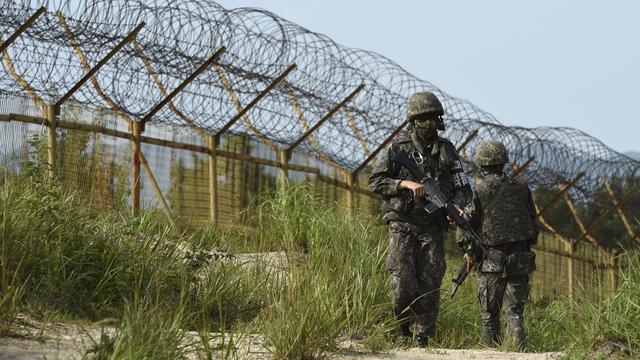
{"x": 350, "y": 180}
{"x": 213, "y": 179}
{"x": 156, "y": 188}
{"x": 242, "y": 111}
{"x": 283, "y": 157}
{"x": 621, "y": 214}
{"x": 570, "y": 249}
{"x": 167, "y": 99}
{"x": 52, "y": 141}
{"x": 613, "y": 272}
{"x": 22, "y": 28}
{"x": 135, "y": 168}
{"x": 466, "y": 141}
{"x": 379, "y": 148}
{"x": 563, "y": 190}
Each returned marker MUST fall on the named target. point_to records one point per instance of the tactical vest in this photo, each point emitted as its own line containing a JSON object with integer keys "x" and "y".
{"x": 431, "y": 163}
{"x": 508, "y": 218}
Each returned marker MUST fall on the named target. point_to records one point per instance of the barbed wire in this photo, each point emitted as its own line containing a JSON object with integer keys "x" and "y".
{"x": 179, "y": 36}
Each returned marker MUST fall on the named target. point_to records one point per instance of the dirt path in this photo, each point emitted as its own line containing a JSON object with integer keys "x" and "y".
{"x": 36, "y": 341}
{"x": 28, "y": 349}
{"x": 448, "y": 354}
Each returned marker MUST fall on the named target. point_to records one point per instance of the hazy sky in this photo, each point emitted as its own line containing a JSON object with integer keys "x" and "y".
{"x": 534, "y": 63}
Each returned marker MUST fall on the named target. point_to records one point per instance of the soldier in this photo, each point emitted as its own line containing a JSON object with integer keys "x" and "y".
{"x": 502, "y": 211}
{"x": 416, "y": 255}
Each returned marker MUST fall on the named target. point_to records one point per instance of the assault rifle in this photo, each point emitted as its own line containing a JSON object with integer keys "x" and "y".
{"x": 436, "y": 199}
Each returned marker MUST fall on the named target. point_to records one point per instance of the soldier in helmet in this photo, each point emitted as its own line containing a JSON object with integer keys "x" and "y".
{"x": 416, "y": 256}
{"x": 502, "y": 211}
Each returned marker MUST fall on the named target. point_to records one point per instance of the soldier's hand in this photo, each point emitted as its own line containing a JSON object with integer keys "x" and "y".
{"x": 416, "y": 188}
{"x": 469, "y": 261}
{"x": 452, "y": 222}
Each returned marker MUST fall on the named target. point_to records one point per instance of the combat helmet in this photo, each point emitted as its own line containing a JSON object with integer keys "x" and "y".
{"x": 425, "y": 103}
{"x": 491, "y": 152}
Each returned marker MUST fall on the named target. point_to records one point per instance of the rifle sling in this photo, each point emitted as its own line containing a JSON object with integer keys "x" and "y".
{"x": 496, "y": 195}
{"x": 432, "y": 157}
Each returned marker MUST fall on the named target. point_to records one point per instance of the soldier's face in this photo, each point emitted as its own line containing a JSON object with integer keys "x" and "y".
{"x": 425, "y": 126}
{"x": 425, "y": 123}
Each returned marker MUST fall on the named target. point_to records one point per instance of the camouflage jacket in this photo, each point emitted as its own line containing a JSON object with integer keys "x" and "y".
{"x": 441, "y": 161}
{"x": 502, "y": 211}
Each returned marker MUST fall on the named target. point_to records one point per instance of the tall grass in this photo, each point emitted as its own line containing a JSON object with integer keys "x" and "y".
{"x": 78, "y": 262}
{"x": 596, "y": 325}
{"x": 337, "y": 285}
{"x": 548, "y": 321}
{"x": 157, "y": 283}
{"x": 84, "y": 264}
{"x": 608, "y": 325}
{"x": 304, "y": 320}
{"x": 148, "y": 330}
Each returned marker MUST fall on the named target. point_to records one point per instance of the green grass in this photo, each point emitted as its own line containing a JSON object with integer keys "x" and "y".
{"x": 81, "y": 264}
{"x": 607, "y": 325}
{"x": 147, "y": 330}
{"x": 336, "y": 284}
{"x": 61, "y": 257}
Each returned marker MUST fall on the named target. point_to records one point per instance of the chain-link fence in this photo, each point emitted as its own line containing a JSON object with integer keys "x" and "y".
{"x": 208, "y": 107}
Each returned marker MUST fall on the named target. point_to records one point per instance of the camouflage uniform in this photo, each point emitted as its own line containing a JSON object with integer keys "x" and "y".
{"x": 416, "y": 256}
{"x": 502, "y": 211}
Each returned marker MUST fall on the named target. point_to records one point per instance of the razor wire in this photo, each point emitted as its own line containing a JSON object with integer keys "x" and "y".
{"x": 179, "y": 36}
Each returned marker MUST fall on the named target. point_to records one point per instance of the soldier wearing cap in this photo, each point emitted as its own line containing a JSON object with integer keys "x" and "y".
{"x": 416, "y": 256}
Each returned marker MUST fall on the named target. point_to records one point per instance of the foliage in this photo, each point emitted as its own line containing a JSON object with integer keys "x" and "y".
{"x": 147, "y": 331}
{"x": 608, "y": 326}
{"x": 58, "y": 255}
{"x": 611, "y": 233}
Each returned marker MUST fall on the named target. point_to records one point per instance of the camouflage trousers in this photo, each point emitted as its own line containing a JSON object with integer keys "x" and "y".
{"x": 494, "y": 292}
{"x": 416, "y": 268}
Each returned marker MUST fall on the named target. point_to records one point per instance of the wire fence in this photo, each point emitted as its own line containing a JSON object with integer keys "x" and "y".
{"x": 100, "y": 166}
{"x": 217, "y": 105}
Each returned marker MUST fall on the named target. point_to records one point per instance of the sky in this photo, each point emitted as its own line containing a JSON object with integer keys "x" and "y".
{"x": 529, "y": 63}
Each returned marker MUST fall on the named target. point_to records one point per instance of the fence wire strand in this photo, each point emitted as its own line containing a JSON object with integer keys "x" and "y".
{"x": 179, "y": 36}
{"x": 72, "y": 36}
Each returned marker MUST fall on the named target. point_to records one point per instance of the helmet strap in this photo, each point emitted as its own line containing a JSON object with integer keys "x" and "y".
{"x": 440, "y": 123}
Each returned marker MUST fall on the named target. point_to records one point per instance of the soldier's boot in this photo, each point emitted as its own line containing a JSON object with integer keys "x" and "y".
{"x": 422, "y": 341}
{"x": 515, "y": 329}
{"x": 515, "y": 323}
{"x": 403, "y": 319}
{"x": 405, "y": 330}
{"x": 490, "y": 335}
{"x": 521, "y": 343}
{"x": 425, "y": 328}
